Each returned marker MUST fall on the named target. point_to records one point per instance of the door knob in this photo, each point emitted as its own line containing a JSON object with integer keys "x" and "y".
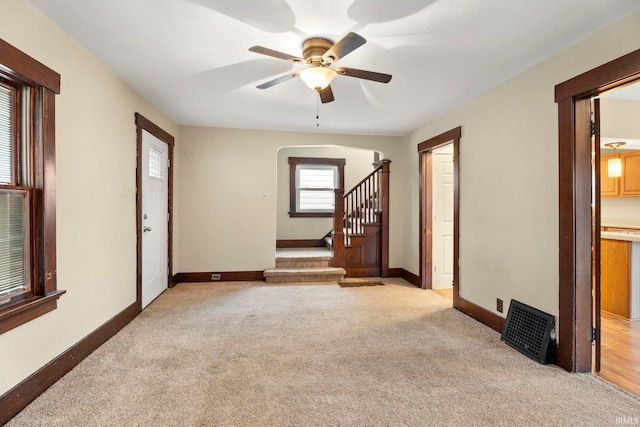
{"x": 145, "y": 229}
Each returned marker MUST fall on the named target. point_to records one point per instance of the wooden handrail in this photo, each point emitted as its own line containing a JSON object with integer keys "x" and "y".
{"x": 366, "y": 203}
{"x": 379, "y": 168}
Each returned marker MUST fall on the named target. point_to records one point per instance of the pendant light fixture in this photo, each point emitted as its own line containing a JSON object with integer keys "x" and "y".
{"x": 614, "y": 166}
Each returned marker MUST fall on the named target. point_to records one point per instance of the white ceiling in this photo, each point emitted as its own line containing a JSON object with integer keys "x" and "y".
{"x": 190, "y": 58}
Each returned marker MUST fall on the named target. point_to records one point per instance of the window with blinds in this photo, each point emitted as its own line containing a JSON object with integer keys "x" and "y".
{"x": 14, "y": 206}
{"x": 312, "y": 185}
{"x": 7, "y": 101}
{"x": 28, "y": 274}
{"x": 315, "y": 185}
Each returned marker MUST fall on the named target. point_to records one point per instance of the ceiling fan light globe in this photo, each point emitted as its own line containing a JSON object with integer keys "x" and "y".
{"x": 318, "y": 78}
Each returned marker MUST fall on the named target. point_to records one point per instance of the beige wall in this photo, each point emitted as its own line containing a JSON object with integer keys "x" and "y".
{"x": 226, "y": 222}
{"x": 96, "y": 154}
{"x": 620, "y": 118}
{"x": 359, "y": 163}
{"x": 509, "y": 178}
{"x": 616, "y": 209}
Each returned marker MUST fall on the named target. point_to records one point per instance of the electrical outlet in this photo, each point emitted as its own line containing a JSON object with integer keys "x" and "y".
{"x": 215, "y": 277}
{"x": 499, "y": 305}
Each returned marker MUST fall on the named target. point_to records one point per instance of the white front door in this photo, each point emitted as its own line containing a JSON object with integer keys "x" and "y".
{"x": 155, "y": 228}
{"x": 442, "y": 229}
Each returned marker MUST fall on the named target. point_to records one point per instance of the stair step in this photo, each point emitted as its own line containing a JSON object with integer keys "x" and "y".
{"x": 304, "y": 262}
{"x": 294, "y": 275}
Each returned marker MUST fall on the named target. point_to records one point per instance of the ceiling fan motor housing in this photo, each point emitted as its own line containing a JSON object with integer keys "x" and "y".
{"x": 314, "y": 48}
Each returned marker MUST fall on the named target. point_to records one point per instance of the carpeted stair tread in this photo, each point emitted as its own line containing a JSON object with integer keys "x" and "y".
{"x": 304, "y": 262}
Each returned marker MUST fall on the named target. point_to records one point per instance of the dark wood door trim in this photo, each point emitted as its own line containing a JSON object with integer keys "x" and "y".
{"x": 424, "y": 150}
{"x": 595, "y": 232}
{"x": 143, "y": 124}
{"x": 426, "y": 219}
{"x": 575, "y": 214}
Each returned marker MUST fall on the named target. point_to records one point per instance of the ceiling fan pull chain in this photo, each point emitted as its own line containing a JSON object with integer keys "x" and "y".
{"x": 318, "y": 111}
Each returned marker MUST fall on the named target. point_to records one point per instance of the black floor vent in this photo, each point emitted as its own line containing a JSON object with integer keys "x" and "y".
{"x": 530, "y": 331}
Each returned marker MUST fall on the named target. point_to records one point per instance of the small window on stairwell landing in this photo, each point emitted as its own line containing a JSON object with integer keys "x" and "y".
{"x": 315, "y": 185}
{"x": 312, "y": 185}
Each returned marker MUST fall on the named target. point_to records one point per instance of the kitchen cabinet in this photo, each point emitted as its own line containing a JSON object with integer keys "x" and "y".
{"x": 630, "y": 182}
{"x": 615, "y": 276}
{"x": 620, "y": 274}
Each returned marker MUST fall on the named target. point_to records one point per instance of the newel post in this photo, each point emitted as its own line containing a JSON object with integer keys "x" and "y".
{"x": 384, "y": 256}
{"x": 338, "y": 229}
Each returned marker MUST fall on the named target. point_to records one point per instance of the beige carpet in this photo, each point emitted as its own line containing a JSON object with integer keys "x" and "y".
{"x": 250, "y": 354}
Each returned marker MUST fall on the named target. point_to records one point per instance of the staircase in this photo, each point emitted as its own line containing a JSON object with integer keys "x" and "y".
{"x": 361, "y": 226}
{"x": 304, "y": 265}
{"x": 358, "y": 245}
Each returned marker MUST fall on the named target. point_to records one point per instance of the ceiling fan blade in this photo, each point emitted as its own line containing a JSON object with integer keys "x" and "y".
{"x": 363, "y": 74}
{"x": 326, "y": 95}
{"x": 279, "y": 80}
{"x": 275, "y": 54}
{"x": 343, "y": 47}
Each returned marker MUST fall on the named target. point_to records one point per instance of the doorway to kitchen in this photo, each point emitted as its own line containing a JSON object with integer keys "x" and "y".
{"x": 579, "y": 218}
{"x": 616, "y": 284}
{"x": 439, "y": 217}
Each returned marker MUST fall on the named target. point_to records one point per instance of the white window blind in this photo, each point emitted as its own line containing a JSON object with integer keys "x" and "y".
{"x": 13, "y": 242}
{"x": 315, "y": 185}
{"x": 6, "y": 135}
{"x": 155, "y": 163}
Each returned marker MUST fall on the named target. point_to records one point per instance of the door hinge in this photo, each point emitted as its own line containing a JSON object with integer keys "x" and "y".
{"x": 592, "y": 128}
{"x": 595, "y": 334}
{"x": 168, "y": 163}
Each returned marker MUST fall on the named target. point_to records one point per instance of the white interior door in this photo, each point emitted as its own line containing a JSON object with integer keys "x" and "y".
{"x": 442, "y": 228}
{"x": 155, "y": 229}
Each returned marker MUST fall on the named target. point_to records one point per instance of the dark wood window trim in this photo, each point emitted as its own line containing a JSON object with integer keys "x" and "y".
{"x": 293, "y": 162}
{"x": 18, "y": 67}
{"x": 575, "y": 211}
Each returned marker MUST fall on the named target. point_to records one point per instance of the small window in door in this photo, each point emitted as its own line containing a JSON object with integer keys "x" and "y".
{"x": 155, "y": 163}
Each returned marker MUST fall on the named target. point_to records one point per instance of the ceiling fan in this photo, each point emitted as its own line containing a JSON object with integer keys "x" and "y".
{"x": 318, "y": 54}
